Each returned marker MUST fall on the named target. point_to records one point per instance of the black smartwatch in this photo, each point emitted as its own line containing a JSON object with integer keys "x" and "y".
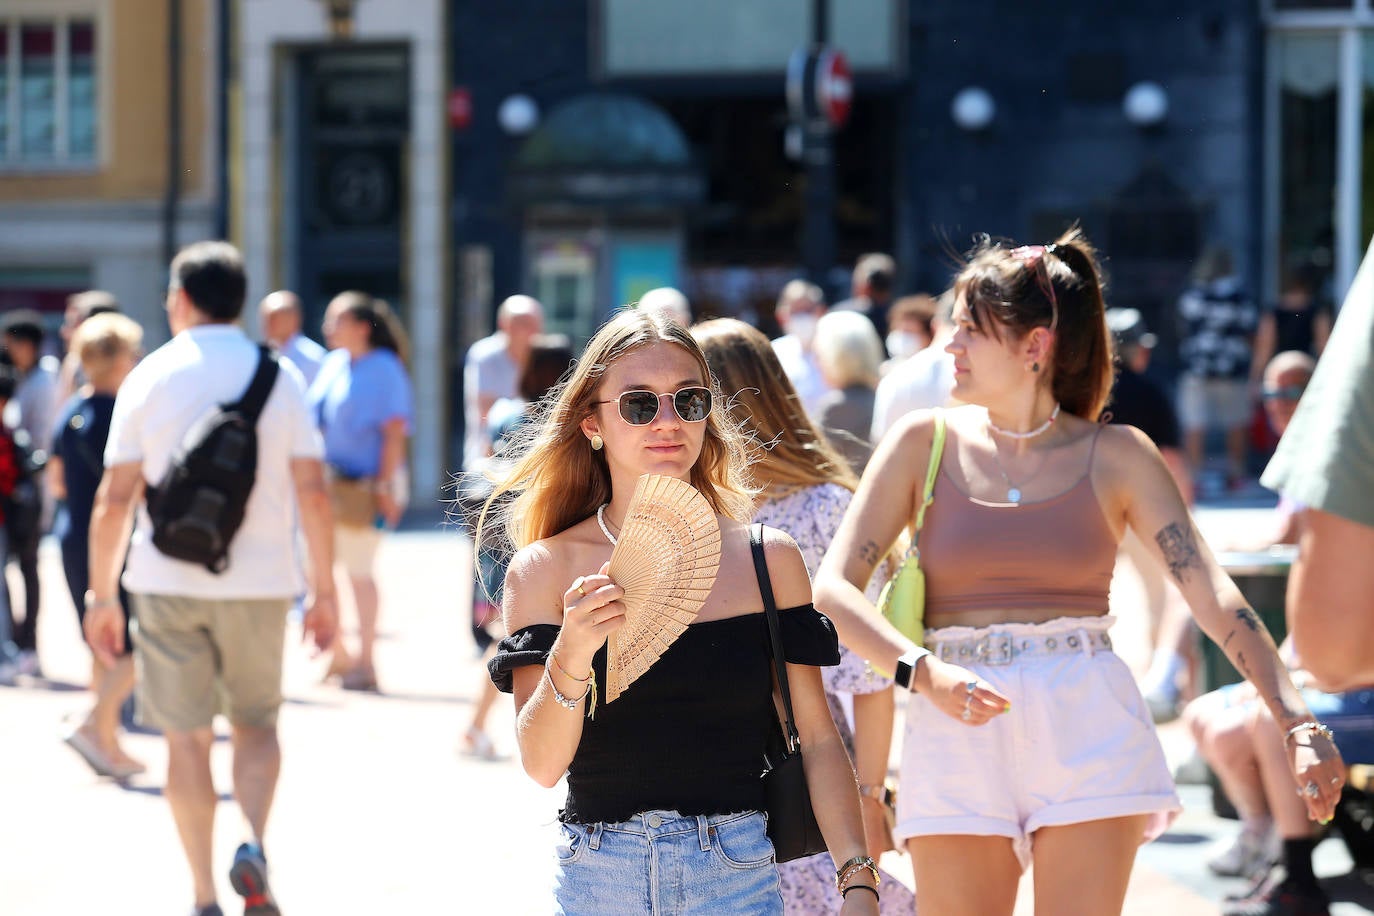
{"x": 906, "y": 668}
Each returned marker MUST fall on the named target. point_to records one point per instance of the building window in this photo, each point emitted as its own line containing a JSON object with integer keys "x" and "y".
{"x": 739, "y": 37}
{"x": 48, "y": 95}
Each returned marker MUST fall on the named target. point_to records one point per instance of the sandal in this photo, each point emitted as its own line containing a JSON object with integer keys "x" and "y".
{"x": 476, "y": 743}
{"x": 361, "y": 679}
{"x": 98, "y": 760}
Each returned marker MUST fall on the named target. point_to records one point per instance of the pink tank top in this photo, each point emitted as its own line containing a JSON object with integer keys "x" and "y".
{"x": 1054, "y": 554}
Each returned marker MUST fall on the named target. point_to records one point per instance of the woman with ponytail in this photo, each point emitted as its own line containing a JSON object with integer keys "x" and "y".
{"x": 1027, "y": 741}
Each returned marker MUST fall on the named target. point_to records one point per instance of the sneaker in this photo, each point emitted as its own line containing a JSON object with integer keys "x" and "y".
{"x": 1163, "y": 702}
{"x": 1284, "y": 898}
{"x": 1247, "y": 857}
{"x": 248, "y": 875}
{"x": 210, "y": 909}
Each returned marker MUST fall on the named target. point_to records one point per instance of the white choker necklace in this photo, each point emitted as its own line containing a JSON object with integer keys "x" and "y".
{"x": 1030, "y": 434}
{"x": 601, "y": 520}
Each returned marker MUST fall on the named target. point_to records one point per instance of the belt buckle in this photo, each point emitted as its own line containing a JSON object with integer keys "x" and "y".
{"x": 996, "y": 649}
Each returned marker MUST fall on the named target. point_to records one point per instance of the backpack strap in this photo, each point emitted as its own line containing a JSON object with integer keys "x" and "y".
{"x": 254, "y": 399}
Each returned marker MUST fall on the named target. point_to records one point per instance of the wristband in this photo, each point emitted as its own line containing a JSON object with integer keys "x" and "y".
{"x": 92, "y": 602}
{"x": 906, "y": 668}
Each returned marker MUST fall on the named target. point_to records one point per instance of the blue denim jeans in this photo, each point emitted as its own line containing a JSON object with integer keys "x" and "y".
{"x": 664, "y": 864}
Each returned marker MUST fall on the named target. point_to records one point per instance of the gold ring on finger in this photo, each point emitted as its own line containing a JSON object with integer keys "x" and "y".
{"x": 580, "y": 590}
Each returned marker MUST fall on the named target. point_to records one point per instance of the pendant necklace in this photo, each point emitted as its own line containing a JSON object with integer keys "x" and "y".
{"x": 601, "y": 520}
{"x": 1013, "y": 491}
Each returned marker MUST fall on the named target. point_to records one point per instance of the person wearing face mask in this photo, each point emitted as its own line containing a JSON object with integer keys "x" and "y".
{"x": 909, "y": 328}
{"x": 800, "y": 307}
{"x": 921, "y": 381}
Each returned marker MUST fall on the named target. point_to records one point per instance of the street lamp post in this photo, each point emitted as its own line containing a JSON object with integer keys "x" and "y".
{"x": 818, "y": 224}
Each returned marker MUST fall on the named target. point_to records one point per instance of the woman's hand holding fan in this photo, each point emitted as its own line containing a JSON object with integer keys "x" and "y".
{"x": 665, "y": 558}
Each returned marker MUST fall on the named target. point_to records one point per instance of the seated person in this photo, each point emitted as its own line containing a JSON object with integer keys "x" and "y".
{"x": 1239, "y": 739}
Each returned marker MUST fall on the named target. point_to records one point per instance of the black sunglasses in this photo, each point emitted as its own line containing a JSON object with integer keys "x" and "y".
{"x": 1285, "y": 393}
{"x": 639, "y": 407}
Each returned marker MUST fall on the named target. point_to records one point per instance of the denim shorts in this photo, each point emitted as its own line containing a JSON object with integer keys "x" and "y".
{"x": 665, "y": 864}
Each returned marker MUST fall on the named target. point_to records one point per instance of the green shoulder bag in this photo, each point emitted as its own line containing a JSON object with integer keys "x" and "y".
{"x": 903, "y": 598}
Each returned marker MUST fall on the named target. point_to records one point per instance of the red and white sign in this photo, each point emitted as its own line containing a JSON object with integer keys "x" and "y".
{"x": 460, "y": 108}
{"x": 834, "y": 87}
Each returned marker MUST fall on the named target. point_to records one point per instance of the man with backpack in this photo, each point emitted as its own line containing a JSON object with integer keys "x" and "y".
{"x": 29, "y": 415}
{"x": 218, "y": 434}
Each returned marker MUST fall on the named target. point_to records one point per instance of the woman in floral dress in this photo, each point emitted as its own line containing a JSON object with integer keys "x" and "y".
{"x": 806, "y": 487}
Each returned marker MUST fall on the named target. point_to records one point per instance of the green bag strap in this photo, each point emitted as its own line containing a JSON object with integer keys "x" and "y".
{"x": 937, "y": 450}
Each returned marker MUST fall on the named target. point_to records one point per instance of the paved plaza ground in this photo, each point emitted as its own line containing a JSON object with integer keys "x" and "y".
{"x": 377, "y": 812}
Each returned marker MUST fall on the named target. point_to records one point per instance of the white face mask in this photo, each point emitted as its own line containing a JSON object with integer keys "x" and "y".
{"x": 901, "y": 344}
{"x": 802, "y": 327}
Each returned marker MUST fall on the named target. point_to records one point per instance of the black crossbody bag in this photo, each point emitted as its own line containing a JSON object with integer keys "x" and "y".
{"x": 791, "y": 821}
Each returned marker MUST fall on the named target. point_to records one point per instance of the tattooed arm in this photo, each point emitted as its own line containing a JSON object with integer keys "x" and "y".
{"x": 1130, "y": 470}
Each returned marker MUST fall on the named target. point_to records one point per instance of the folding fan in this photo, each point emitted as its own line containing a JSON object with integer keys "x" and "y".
{"x": 665, "y": 559}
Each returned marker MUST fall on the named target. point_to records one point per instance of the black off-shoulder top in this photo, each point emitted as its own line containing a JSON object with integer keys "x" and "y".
{"x": 689, "y": 734}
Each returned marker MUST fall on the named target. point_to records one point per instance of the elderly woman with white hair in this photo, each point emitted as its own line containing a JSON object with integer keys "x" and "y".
{"x": 850, "y": 355}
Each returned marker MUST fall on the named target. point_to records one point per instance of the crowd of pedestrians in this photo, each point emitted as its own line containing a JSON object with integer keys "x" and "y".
{"x": 968, "y": 424}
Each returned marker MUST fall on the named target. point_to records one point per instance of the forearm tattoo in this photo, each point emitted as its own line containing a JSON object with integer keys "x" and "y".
{"x": 1180, "y": 550}
{"x": 1248, "y": 617}
{"x": 869, "y": 553}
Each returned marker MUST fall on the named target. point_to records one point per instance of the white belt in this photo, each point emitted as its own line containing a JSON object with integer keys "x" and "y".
{"x": 1004, "y": 648}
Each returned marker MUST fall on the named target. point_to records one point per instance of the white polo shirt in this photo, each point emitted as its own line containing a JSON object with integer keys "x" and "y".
{"x": 172, "y": 388}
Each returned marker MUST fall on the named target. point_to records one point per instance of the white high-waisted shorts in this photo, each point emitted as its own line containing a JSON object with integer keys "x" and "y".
{"x": 1077, "y": 745}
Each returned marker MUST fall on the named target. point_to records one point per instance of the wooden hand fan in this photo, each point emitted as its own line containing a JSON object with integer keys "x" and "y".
{"x": 666, "y": 560}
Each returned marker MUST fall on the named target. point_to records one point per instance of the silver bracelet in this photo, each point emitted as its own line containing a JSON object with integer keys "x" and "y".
{"x": 565, "y": 702}
{"x": 1312, "y": 725}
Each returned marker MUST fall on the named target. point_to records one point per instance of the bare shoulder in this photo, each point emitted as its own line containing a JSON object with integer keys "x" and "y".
{"x": 786, "y": 568}
{"x": 535, "y": 582}
{"x": 1125, "y": 450}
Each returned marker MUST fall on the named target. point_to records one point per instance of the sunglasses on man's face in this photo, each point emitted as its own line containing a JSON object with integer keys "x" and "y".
{"x": 640, "y": 407}
{"x": 1284, "y": 393}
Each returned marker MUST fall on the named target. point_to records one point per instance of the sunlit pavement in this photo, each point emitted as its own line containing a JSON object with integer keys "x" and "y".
{"x": 377, "y": 812}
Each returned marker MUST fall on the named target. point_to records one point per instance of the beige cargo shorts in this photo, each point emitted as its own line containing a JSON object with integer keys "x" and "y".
{"x": 196, "y": 657}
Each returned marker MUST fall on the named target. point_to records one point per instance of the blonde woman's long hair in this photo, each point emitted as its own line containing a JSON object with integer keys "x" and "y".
{"x": 557, "y": 480}
{"x": 786, "y": 449}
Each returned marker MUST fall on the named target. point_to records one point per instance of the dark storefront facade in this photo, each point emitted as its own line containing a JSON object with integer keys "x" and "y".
{"x": 1160, "y": 130}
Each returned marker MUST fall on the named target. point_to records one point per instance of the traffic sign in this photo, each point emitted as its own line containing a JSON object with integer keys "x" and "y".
{"x": 834, "y": 87}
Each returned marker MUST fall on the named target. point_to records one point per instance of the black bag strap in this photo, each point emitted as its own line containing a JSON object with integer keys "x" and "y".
{"x": 774, "y": 635}
{"x": 255, "y": 398}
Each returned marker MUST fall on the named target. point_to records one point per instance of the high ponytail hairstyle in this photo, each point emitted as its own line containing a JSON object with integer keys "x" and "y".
{"x": 1058, "y": 287}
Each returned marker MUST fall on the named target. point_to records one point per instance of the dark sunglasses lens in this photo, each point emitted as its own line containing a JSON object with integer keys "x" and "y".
{"x": 639, "y": 408}
{"x": 693, "y": 404}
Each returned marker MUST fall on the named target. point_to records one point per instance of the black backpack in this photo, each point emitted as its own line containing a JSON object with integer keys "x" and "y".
{"x": 24, "y": 505}
{"x": 199, "y": 505}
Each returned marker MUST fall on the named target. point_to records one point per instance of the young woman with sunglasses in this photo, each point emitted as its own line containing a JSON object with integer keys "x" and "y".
{"x": 664, "y": 796}
{"x": 1028, "y": 741}
{"x": 806, "y": 485}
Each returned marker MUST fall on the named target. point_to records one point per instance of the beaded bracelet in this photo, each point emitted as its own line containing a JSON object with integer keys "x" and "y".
{"x": 571, "y": 702}
{"x": 1308, "y": 726}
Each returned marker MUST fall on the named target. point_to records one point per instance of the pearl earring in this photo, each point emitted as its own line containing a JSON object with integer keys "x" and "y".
{"x": 597, "y": 442}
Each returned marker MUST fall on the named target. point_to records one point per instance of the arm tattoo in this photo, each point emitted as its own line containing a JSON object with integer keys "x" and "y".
{"x": 1180, "y": 550}
{"x": 869, "y": 553}
{"x": 1248, "y": 617}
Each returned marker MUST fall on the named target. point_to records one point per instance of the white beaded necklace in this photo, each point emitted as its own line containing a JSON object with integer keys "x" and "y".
{"x": 1030, "y": 434}
{"x": 601, "y": 520}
